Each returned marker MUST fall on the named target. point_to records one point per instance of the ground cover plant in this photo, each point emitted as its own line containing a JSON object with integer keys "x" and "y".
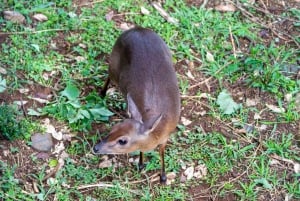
{"x": 237, "y": 64}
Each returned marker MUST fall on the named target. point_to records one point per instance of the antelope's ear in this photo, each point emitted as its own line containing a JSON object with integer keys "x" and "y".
{"x": 149, "y": 127}
{"x": 132, "y": 110}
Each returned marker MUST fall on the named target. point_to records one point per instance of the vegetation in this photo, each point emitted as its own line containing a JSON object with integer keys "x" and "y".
{"x": 239, "y": 130}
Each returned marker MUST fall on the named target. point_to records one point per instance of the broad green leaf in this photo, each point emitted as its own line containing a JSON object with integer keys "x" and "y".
{"x": 71, "y": 92}
{"x": 36, "y": 47}
{"x": 53, "y": 163}
{"x": 33, "y": 112}
{"x": 98, "y": 112}
{"x": 76, "y": 118}
{"x": 75, "y": 104}
{"x": 85, "y": 113}
{"x": 226, "y": 103}
{"x": 2, "y": 84}
{"x": 40, "y": 196}
{"x": 263, "y": 182}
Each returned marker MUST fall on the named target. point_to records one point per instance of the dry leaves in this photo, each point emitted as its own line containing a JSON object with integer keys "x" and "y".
{"x": 14, "y": 16}
{"x": 185, "y": 121}
{"x": 275, "y": 109}
{"x": 144, "y": 11}
{"x": 209, "y": 57}
{"x": 40, "y": 17}
{"x": 225, "y": 8}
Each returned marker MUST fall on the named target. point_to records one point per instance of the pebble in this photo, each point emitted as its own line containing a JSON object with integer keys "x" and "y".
{"x": 42, "y": 142}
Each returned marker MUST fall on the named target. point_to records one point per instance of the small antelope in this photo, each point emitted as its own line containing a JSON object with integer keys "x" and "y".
{"x": 141, "y": 65}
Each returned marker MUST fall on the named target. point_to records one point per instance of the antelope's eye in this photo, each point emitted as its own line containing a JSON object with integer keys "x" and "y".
{"x": 122, "y": 141}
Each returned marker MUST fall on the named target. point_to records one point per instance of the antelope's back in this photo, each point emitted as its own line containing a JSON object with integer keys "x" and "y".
{"x": 141, "y": 64}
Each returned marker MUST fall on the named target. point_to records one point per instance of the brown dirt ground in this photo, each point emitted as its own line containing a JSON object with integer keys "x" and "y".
{"x": 192, "y": 106}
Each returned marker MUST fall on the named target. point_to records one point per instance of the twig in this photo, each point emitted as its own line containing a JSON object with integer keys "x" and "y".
{"x": 208, "y": 79}
{"x": 257, "y": 21}
{"x": 32, "y": 32}
{"x": 204, "y": 4}
{"x": 264, "y": 5}
{"x": 90, "y": 3}
{"x": 164, "y": 14}
{"x": 106, "y": 185}
{"x": 232, "y": 42}
{"x": 236, "y": 178}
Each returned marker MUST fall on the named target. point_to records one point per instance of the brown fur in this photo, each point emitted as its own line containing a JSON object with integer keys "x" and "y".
{"x": 141, "y": 65}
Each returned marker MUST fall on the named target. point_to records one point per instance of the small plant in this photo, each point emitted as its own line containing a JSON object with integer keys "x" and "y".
{"x": 11, "y": 124}
{"x": 79, "y": 112}
{"x": 265, "y": 71}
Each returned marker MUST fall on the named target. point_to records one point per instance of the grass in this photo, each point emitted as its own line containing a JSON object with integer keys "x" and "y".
{"x": 68, "y": 54}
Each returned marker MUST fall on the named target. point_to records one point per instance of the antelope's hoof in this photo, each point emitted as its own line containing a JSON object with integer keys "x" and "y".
{"x": 163, "y": 179}
{"x": 141, "y": 166}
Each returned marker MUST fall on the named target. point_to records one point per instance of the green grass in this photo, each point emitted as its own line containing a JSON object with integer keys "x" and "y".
{"x": 71, "y": 49}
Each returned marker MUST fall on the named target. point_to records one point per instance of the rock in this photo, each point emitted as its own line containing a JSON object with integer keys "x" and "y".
{"x": 42, "y": 142}
{"x": 14, "y": 16}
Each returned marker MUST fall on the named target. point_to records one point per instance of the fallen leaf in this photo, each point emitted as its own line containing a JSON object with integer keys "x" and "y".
{"x": 225, "y": 8}
{"x": 288, "y": 97}
{"x": 200, "y": 171}
{"x": 274, "y": 162}
{"x": 23, "y": 90}
{"x": 33, "y": 112}
{"x": 45, "y": 76}
{"x": 3, "y": 71}
{"x": 14, "y": 16}
{"x": 109, "y": 15}
{"x": 51, "y": 181}
{"x": 6, "y": 153}
{"x": 82, "y": 45}
{"x": 209, "y": 57}
{"x": 182, "y": 178}
{"x": 297, "y": 168}
{"x": 182, "y": 164}
{"x": 64, "y": 155}
{"x": 171, "y": 178}
{"x": 20, "y": 103}
{"x": 189, "y": 172}
{"x": 248, "y": 128}
{"x": 226, "y": 103}
{"x": 250, "y": 102}
{"x": 72, "y": 14}
{"x": 185, "y": 121}
{"x": 67, "y": 137}
{"x": 256, "y": 116}
{"x": 40, "y": 100}
{"x": 144, "y": 11}
{"x": 59, "y": 147}
{"x": 40, "y": 17}
{"x": 263, "y": 127}
{"x": 297, "y": 102}
{"x": 80, "y": 58}
{"x": 190, "y": 75}
{"x": 2, "y": 85}
{"x": 124, "y": 26}
{"x": 57, "y": 135}
{"x": 275, "y": 108}
{"x": 105, "y": 164}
